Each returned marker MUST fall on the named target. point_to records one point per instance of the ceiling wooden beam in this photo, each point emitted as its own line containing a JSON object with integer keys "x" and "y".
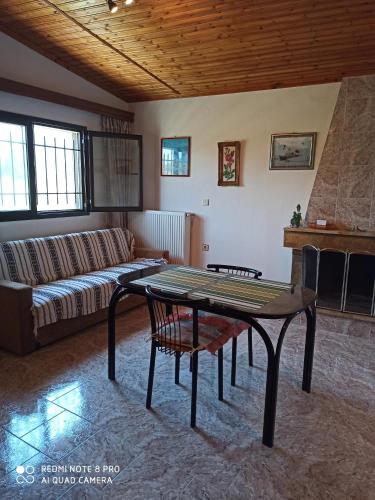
{"x": 65, "y": 100}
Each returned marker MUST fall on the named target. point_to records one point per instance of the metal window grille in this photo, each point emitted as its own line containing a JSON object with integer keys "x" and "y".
{"x": 58, "y": 168}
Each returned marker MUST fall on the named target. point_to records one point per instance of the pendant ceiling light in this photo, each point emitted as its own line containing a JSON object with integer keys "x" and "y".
{"x": 112, "y": 6}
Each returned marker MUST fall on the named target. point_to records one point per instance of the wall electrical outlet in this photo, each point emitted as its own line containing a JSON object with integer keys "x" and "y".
{"x": 205, "y": 202}
{"x": 205, "y": 247}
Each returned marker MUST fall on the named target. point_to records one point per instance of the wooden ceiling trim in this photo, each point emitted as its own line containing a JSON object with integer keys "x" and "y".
{"x": 23, "y": 89}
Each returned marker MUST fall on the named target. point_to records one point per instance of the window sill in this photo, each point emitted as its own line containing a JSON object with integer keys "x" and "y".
{"x": 18, "y": 216}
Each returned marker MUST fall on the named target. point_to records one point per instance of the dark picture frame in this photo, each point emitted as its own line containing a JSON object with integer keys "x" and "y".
{"x": 229, "y": 163}
{"x": 294, "y": 151}
{"x": 175, "y": 156}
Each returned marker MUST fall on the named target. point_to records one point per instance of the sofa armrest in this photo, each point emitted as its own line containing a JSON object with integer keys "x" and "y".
{"x": 17, "y": 325}
{"x": 150, "y": 253}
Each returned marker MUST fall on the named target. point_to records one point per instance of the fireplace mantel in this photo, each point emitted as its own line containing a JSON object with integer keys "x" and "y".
{"x": 335, "y": 239}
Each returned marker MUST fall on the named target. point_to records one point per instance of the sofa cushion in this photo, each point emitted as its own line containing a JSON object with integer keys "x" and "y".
{"x": 79, "y": 295}
{"x": 42, "y": 260}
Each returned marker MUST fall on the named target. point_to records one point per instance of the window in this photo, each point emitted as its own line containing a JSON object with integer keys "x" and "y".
{"x": 14, "y": 184}
{"x": 41, "y": 168}
{"x": 44, "y": 166}
{"x": 58, "y": 169}
{"x": 116, "y": 180}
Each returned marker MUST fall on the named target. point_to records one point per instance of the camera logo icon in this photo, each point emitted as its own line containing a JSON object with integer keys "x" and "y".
{"x": 25, "y": 474}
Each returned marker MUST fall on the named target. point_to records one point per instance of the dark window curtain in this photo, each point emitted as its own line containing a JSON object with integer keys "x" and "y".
{"x": 114, "y": 125}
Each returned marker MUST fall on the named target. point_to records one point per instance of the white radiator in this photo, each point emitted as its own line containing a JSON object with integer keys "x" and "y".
{"x": 163, "y": 230}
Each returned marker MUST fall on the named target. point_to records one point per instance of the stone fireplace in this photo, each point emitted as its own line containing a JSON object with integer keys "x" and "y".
{"x": 343, "y": 191}
{"x": 339, "y": 260}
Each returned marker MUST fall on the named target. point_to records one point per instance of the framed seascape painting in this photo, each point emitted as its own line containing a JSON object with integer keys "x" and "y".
{"x": 175, "y": 156}
{"x": 229, "y": 163}
{"x": 292, "y": 151}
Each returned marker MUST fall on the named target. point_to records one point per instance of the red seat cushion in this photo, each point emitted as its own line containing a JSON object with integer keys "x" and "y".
{"x": 213, "y": 332}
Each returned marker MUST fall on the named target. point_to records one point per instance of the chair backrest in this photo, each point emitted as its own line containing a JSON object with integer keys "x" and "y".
{"x": 237, "y": 270}
{"x": 166, "y": 316}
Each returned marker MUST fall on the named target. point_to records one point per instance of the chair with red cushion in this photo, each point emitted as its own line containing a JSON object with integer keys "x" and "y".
{"x": 235, "y": 324}
{"x": 175, "y": 332}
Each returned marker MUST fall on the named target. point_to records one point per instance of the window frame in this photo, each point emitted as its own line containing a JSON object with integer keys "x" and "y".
{"x": 32, "y": 213}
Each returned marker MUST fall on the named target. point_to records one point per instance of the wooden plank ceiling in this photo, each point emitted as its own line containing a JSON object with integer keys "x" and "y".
{"x": 159, "y": 49}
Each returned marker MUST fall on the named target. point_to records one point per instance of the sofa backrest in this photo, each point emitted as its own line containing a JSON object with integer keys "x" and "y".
{"x": 40, "y": 260}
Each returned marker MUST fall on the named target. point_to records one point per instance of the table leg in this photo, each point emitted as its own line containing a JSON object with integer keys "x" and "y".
{"x": 309, "y": 347}
{"x": 220, "y": 373}
{"x": 270, "y": 401}
{"x": 273, "y": 362}
{"x": 250, "y": 345}
{"x": 177, "y": 368}
{"x": 116, "y": 296}
{"x": 194, "y": 381}
{"x": 234, "y": 362}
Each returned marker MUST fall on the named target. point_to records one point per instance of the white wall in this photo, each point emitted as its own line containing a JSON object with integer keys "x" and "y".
{"x": 18, "y": 62}
{"x": 243, "y": 225}
{"x": 22, "y": 64}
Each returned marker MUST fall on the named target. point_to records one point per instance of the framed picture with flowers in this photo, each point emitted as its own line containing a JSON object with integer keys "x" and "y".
{"x": 229, "y": 163}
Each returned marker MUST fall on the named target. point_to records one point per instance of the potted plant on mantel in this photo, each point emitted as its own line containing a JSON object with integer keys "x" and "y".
{"x": 296, "y": 219}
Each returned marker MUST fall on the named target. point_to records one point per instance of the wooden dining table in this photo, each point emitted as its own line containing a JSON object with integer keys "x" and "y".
{"x": 242, "y": 298}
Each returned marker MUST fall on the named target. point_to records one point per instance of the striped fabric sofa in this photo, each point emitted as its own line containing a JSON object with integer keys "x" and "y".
{"x": 53, "y": 286}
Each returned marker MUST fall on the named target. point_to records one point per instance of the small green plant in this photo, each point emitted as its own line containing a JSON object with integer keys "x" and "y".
{"x": 296, "y": 220}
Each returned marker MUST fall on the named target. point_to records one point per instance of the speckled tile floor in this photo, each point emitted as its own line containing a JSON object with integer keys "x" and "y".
{"x": 59, "y": 411}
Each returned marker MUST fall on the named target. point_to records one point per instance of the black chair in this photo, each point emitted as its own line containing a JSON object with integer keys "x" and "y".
{"x": 175, "y": 332}
{"x": 238, "y": 271}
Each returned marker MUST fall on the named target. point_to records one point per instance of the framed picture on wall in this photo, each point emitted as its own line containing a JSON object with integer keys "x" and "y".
{"x": 175, "y": 156}
{"x": 292, "y": 151}
{"x": 229, "y": 163}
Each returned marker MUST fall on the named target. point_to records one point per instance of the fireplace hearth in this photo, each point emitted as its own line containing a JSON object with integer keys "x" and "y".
{"x": 344, "y": 281}
{"x": 339, "y": 265}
